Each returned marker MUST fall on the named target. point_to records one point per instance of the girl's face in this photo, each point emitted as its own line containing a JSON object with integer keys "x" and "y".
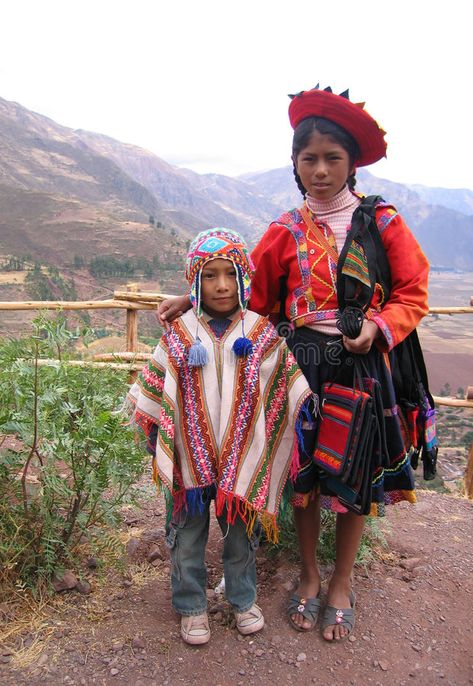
{"x": 323, "y": 166}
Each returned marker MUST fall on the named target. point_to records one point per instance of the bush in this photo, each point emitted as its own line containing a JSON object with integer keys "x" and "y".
{"x": 73, "y": 463}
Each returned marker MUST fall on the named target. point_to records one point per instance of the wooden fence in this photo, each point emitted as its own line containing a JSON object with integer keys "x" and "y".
{"x": 132, "y": 300}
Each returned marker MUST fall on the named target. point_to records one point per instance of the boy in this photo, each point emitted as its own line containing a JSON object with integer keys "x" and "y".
{"x": 223, "y": 408}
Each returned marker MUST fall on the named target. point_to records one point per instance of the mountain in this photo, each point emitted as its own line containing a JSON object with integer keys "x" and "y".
{"x": 194, "y": 201}
{"x": 67, "y": 192}
{"x": 459, "y": 199}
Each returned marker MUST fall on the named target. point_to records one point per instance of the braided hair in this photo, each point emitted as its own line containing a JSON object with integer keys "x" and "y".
{"x": 303, "y": 133}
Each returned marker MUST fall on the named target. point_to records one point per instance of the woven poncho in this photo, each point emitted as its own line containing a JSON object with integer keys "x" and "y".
{"x": 231, "y": 423}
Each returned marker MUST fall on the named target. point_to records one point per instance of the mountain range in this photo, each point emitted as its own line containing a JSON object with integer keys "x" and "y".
{"x": 66, "y": 192}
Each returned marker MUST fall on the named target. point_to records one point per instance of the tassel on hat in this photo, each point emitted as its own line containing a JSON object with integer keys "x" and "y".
{"x": 242, "y": 346}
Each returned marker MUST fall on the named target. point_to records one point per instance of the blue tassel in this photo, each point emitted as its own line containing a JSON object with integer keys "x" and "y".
{"x": 242, "y": 346}
{"x": 198, "y": 356}
{"x": 195, "y": 501}
{"x": 305, "y": 415}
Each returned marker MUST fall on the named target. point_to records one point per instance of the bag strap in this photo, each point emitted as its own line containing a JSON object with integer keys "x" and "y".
{"x": 309, "y": 222}
{"x": 348, "y": 292}
{"x": 383, "y": 270}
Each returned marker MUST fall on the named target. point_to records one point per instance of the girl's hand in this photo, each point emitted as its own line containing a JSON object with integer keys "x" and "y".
{"x": 171, "y": 308}
{"x": 363, "y": 343}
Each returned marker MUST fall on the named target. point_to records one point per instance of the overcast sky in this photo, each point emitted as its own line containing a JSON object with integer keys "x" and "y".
{"x": 204, "y": 83}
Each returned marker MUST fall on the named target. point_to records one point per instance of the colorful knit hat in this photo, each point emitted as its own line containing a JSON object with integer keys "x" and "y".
{"x": 349, "y": 115}
{"x": 210, "y": 245}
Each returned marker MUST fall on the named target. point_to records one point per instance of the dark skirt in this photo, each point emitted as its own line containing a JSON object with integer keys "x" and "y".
{"x": 323, "y": 358}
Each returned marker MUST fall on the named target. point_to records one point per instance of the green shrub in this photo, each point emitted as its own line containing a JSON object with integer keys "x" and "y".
{"x": 73, "y": 463}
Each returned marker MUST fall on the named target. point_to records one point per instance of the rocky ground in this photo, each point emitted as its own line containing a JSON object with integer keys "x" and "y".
{"x": 414, "y": 608}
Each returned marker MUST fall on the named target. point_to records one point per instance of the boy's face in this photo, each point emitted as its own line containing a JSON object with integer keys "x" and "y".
{"x": 219, "y": 290}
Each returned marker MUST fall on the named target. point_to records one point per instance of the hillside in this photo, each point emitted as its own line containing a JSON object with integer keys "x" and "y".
{"x": 71, "y": 192}
{"x": 194, "y": 201}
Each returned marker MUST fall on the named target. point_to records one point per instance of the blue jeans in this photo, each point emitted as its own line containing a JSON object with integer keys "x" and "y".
{"x": 187, "y": 537}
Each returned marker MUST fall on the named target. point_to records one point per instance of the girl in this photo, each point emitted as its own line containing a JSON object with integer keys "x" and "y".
{"x": 332, "y": 137}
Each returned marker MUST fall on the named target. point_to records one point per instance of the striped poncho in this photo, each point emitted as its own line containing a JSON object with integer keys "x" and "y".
{"x": 231, "y": 423}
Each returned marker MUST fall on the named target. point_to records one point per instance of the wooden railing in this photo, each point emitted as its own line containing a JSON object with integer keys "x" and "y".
{"x": 132, "y": 300}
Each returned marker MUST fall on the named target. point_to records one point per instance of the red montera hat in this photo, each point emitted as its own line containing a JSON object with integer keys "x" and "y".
{"x": 349, "y": 115}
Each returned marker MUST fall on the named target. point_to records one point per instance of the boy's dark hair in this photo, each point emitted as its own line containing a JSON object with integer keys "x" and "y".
{"x": 301, "y": 139}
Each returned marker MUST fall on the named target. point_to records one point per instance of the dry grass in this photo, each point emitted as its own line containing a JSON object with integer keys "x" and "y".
{"x": 12, "y": 277}
{"x": 27, "y": 627}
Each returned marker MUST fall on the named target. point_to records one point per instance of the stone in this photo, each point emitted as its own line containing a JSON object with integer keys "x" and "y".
{"x": 153, "y": 535}
{"x": 410, "y": 563}
{"x": 83, "y": 587}
{"x": 384, "y": 665}
{"x": 114, "y": 671}
{"x": 132, "y": 546}
{"x": 155, "y": 554}
{"x": 64, "y": 582}
{"x": 138, "y": 643}
{"x": 301, "y": 657}
{"x": 92, "y": 563}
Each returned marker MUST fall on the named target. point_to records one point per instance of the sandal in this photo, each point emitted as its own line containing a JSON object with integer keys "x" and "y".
{"x": 309, "y": 608}
{"x": 336, "y": 617}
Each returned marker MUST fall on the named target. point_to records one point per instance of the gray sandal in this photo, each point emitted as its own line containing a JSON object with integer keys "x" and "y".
{"x": 309, "y": 608}
{"x": 335, "y": 617}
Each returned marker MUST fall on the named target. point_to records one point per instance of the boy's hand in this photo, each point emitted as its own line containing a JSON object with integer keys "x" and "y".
{"x": 363, "y": 343}
{"x": 171, "y": 308}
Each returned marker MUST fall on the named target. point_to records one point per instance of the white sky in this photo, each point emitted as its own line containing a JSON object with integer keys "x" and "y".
{"x": 204, "y": 83}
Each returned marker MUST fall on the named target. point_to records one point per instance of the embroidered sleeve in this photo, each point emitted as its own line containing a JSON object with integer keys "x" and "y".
{"x": 407, "y": 303}
{"x": 265, "y": 284}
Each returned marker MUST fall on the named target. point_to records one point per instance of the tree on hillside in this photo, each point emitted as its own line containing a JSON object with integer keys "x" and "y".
{"x": 446, "y": 390}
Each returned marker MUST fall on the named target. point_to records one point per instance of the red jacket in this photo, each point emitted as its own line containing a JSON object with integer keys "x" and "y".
{"x": 289, "y": 249}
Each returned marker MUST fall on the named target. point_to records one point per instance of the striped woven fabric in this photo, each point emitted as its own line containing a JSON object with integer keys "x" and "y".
{"x": 231, "y": 423}
{"x": 356, "y": 264}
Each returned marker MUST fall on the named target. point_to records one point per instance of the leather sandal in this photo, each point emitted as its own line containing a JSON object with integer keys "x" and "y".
{"x": 336, "y": 617}
{"x": 309, "y": 608}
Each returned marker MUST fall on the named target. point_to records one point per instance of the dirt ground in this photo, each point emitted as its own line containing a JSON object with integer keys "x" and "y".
{"x": 414, "y": 610}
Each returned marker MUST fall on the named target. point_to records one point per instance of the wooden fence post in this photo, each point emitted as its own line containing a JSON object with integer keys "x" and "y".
{"x": 132, "y": 329}
{"x": 469, "y": 475}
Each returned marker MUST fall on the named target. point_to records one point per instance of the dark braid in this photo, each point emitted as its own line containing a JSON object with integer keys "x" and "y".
{"x": 298, "y": 181}
{"x": 303, "y": 133}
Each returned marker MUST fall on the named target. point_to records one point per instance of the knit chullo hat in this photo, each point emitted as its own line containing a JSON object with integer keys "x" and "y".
{"x": 351, "y": 116}
{"x": 213, "y": 244}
